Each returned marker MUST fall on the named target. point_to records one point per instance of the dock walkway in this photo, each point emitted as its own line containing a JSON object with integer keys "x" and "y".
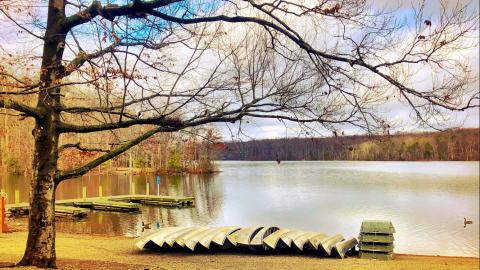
{"x": 123, "y": 203}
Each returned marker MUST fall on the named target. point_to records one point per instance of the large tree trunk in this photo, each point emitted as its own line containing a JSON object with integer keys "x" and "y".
{"x": 40, "y": 250}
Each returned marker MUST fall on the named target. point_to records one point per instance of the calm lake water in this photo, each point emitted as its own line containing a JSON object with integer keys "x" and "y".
{"x": 426, "y": 201}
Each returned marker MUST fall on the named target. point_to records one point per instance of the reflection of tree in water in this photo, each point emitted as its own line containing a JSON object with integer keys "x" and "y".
{"x": 10, "y": 183}
{"x": 106, "y": 223}
{"x": 208, "y": 203}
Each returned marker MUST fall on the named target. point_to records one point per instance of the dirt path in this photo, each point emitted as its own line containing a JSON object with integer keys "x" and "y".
{"x": 100, "y": 252}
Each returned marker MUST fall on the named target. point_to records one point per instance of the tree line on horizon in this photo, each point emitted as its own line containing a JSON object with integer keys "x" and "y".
{"x": 461, "y": 144}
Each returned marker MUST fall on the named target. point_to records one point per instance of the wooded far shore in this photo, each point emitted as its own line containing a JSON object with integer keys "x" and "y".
{"x": 460, "y": 144}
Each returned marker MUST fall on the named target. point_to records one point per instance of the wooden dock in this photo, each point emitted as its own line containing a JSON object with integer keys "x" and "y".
{"x": 60, "y": 210}
{"x": 77, "y": 208}
{"x": 155, "y": 200}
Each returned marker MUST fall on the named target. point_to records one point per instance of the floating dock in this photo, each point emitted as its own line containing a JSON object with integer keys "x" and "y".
{"x": 78, "y": 208}
{"x": 268, "y": 239}
{"x": 60, "y": 210}
{"x": 155, "y": 200}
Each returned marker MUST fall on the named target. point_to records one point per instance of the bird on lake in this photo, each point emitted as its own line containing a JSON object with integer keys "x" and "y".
{"x": 466, "y": 222}
{"x": 145, "y": 226}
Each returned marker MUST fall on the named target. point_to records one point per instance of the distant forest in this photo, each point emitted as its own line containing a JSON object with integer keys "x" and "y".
{"x": 460, "y": 144}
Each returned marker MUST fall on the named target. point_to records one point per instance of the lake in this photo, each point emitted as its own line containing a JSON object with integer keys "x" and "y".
{"x": 426, "y": 201}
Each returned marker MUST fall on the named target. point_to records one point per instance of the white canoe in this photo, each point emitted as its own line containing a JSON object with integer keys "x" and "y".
{"x": 243, "y": 236}
{"x": 192, "y": 241}
{"x": 141, "y": 241}
{"x": 159, "y": 237}
{"x": 180, "y": 241}
{"x": 207, "y": 239}
{"x": 300, "y": 241}
{"x": 328, "y": 243}
{"x": 256, "y": 243}
{"x": 314, "y": 241}
{"x": 287, "y": 239}
{"x": 171, "y": 238}
{"x": 341, "y": 248}
{"x": 221, "y": 239}
{"x": 272, "y": 240}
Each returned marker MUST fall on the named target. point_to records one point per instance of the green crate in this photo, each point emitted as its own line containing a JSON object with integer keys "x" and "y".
{"x": 376, "y": 247}
{"x": 377, "y": 227}
{"x": 376, "y": 238}
{"x": 376, "y": 255}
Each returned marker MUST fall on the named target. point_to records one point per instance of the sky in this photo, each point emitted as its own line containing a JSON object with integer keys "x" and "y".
{"x": 400, "y": 114}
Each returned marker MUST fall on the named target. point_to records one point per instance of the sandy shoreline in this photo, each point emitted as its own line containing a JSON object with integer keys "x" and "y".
{"x": 107, "y": 252}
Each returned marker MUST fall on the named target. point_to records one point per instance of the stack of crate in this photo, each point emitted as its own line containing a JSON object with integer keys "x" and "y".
{"x": 376, "y": 239}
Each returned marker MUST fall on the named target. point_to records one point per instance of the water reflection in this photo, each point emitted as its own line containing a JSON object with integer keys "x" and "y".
{"x": 205, "y": 189}
{"x": 426, "y": 201}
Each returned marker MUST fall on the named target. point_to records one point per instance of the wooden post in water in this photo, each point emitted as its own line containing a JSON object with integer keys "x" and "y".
{"x": 100, "y": 191}
{"x": 84, "y": 193}
{"x": 147, "y": 187}
{"x": 17, "y": 196}
{"x": 133, "y": 188}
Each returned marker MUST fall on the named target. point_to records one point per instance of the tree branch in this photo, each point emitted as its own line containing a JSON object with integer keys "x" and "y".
{"x": 109, "y": 12}
{"x": 26, "y": 110}
{"x": 79, "y": 147}
{"x": 61, "y": 176}
{"x": 159, "y": 121}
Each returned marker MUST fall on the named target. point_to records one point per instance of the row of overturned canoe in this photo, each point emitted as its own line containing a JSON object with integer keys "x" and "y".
{"x": 256, "y": 239}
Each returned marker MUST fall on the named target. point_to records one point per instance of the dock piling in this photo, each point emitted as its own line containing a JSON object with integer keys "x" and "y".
{"x": 84, "y": 193}
{"x": 100, "y": 192}
{"x": 148, "y": 188}
{"x": 17, "y": 196}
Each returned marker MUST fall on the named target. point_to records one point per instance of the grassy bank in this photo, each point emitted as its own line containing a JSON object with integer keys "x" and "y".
{"x": 101, "y": 252}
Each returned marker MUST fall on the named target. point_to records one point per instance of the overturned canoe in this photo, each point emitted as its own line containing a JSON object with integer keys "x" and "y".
{"x": 142, "y": 241}
{"x": 194, "y": 241}
{"x": 180, "y": 241}
{"x": 244, "y": 236}
{"x": 300, "y": 241}
{"x": 341, "y": 248}
{"x": 221, "y": 239}
{"x": 287, "y": 239}
{"x": 256, "y": 244}
{"x": 170, "y": 239}
{"x": 271, "y": 241}
{"x": 207, "y": 237}
{"x": 314, "y": 241}
{"x": 328, "y": 243}
{"x": 255, "y": 239}
{"x": 156, "y": 239}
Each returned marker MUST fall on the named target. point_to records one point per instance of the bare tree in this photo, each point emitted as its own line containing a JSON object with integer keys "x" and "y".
{"x": 171, "y": 65}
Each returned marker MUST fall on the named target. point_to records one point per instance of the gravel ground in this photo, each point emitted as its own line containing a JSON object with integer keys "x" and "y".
{"x": 100, "y": 252}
